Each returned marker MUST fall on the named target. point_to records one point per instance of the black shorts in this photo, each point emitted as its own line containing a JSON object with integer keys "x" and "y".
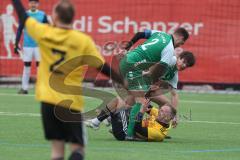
{"x": 120, "y": 124}
{"x": 60, "y": 123}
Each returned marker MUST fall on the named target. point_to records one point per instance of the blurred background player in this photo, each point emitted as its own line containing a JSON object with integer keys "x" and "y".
{"x": 30, "y": 47}
{"x": 62, "y": 56}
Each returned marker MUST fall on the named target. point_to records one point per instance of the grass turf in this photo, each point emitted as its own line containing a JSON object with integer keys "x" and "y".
{"x": 212, "y": 134}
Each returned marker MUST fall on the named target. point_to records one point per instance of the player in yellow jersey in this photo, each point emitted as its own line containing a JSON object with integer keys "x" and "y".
{"x": 63, "y": 54}
{"x": 153, "y": 128}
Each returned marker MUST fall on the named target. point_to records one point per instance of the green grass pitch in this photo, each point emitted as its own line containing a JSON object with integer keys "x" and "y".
{"x": 212, "y": 133}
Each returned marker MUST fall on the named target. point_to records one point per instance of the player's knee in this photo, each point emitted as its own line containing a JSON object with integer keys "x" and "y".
{"x": 27, "y": 64}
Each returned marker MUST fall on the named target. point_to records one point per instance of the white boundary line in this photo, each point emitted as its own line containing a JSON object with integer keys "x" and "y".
{"x": 38, "y": 115}
{"x": 184, "y": 101}
{"x": 212, "y": 122}
{"x": 209, "y": 102}
{"x": 20, "y": 114}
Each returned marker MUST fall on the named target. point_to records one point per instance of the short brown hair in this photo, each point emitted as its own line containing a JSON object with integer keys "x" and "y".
{"x": 188, "y": 57}
{"x": 182, "y": 32}
{"x": 65, "y": 11}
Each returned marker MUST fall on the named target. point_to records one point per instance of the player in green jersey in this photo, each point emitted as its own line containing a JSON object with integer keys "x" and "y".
{"x": 155, "y": 56}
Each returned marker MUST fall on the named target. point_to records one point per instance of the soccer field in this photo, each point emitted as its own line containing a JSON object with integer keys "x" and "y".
{"x": 211, "y": 133}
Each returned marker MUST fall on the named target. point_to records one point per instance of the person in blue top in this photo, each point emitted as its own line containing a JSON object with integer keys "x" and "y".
{"x": 30, "y": 47}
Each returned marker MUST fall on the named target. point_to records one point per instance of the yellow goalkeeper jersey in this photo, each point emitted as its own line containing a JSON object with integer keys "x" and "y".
{"x": 156, "y": 132}
{"x": 64, "y": 52}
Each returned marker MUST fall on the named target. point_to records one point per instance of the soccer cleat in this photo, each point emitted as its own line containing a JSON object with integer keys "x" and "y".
{"x": 168, "y": 137}
{"x": 22, "y": 91}
{"x": 90, "y": 124}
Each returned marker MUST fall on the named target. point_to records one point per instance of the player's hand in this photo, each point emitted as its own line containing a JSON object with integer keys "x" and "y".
{"x": 175, "y": 122}
{"x": 16, "y": 49}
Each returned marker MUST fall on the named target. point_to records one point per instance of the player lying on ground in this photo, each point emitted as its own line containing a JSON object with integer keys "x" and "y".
{"x": 152, "y": 128}
{"x": 183, "y": 61}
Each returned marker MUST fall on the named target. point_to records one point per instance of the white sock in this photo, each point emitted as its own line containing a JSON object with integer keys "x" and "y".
{"x": 26, "y": 77}
{"x": 96, "y": 121}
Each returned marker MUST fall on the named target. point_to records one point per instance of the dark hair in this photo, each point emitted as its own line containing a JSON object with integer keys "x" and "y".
{"x": 188, "y": 58}
{"x": 182, "y": 32}
{"x": 65, "y": 11}
{"x": 33, "y": 0}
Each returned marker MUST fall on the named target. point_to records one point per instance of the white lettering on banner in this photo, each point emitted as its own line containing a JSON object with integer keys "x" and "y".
{"x": 106, "y": 24}
{"x": 196, "y": 28}
{"x": 83, "y": 24}
{"x": 116, "y": 25}
{"x": 172, "y": 27}
{"x": 157, "y": 25}
{"x": 103, "y": 22}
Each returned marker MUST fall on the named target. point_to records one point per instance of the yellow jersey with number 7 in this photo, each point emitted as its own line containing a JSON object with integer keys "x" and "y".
{"x": 64, "y": 52}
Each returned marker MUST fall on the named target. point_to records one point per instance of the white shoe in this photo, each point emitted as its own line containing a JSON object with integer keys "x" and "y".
{"x": 90, "y": 124}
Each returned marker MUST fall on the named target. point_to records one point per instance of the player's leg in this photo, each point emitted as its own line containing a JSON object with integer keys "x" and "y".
{"x": 77, "y": 152}
{"x": 140, "y": 88}
{"x": 57, "y": 152}
{"x": 132, "y": 76}
{"x": 36, "y": 55}
{"x": 113, "y": 106}
{"x": 103, "y": 114}
{"x": 27, "y": 58}
{"x": 76, "y": 136}
{"x": 135, "y": 109}
{"x": 119, "y": 124}
{"x": 53, "y": 131}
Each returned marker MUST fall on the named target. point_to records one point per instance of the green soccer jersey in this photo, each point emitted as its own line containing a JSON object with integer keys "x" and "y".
{"x": 171, "y": 76}
{"x": 157, "y": 48}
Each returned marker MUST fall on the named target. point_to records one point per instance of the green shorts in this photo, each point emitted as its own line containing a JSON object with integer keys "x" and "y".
{"x": 133, "y": 75}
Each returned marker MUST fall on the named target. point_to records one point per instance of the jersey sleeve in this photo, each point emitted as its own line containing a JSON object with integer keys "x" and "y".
{"x": 174, "y": 81}
{"x": 35, "y": 29}
{"x": 149, "y": 32}
{"x": 92, "y": 57}
{"x": 155, "y": 135}
{"x": 19, "y": 33}
{"x": 167, "y": 55}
